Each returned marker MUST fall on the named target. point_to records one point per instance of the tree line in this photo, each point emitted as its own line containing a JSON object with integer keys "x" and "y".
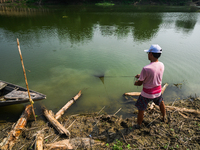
{"x": 133, "y": 2}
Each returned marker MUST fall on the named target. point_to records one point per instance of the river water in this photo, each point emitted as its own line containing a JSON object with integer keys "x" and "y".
{"x": 65, "y": 49}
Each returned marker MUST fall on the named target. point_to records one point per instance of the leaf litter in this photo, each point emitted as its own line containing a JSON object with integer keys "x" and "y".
{"x": 180, "y": 131}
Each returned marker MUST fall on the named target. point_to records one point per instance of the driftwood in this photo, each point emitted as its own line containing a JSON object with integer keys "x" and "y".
{"x": 138, "y": 93}
{"x": 53, "y": 118}
{"x": 14, "y": 134}
{"x": 59, "y": 145}
{"x": 60, "y": 128}
{"x": 132, "y": 94}
{"x": 172, "y": 108}
{"x": 84, "y": 143}
{"x": 39, "y": 141}
{"x": 184, "y": 116}
{"x": 64, "y": 108}
{"x": 197, "y": 112}
{"x": 164, "y": 88}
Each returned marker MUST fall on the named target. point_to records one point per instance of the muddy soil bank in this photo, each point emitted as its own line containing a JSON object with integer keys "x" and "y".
{"x": 180, "y": 131}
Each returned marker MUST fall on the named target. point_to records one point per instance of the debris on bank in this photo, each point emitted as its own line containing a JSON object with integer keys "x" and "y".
{"x": 102, "y": 131}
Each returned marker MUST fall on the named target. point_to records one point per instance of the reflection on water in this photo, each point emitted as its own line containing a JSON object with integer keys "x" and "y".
{"x": 8, "y": 111}
{"x": 186, "y": 22}
{"x": 148, "y": 25}
{"x": 68, "y": 49}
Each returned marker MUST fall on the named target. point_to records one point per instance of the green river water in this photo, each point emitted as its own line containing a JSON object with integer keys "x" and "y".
{"x": 66, "y": 48}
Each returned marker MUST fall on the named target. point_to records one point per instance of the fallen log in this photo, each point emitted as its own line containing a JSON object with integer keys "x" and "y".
{"x": 60, "y": 128}
{"x": 14, "y": 134}
{"x": 64, "y": 108}
{"x": 172, "y": 108}
{"x": 39, "y": 141}
{"x": 59, "y": 145}
{"x": 164, "y": 87}
{"x": 81, "y": 143}
{"x": 138, "y": 93}
{"x": 184, "y": 116}
{"x": 197, "y": 112}
{"x": 132, "y": 94}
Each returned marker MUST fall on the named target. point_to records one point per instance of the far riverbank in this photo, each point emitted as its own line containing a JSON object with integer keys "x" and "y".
{"x": 100, "y": 3}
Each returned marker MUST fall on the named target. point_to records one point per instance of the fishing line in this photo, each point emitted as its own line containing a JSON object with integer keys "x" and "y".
{"x": 106, "y": 91}
{"x": 135, "y": 79}
{"x": 102, "y": 80}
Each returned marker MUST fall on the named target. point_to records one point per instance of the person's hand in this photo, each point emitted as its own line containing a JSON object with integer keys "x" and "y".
{"x": 137, "y": 76}
{"x": 138, "y": 83}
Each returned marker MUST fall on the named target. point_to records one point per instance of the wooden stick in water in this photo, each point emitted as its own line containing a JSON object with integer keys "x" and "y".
{"x": 31, "y": 101}
{"x": 64, "y": 108}
{"x": 117, "y": 111}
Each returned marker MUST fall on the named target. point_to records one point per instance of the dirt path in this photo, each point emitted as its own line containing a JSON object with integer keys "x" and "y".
{"x": 181, "y": 131}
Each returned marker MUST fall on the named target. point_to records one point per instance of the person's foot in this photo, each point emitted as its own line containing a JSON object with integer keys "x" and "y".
{"x": 164, "y": 119}
{"x": 137, "y": 126}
